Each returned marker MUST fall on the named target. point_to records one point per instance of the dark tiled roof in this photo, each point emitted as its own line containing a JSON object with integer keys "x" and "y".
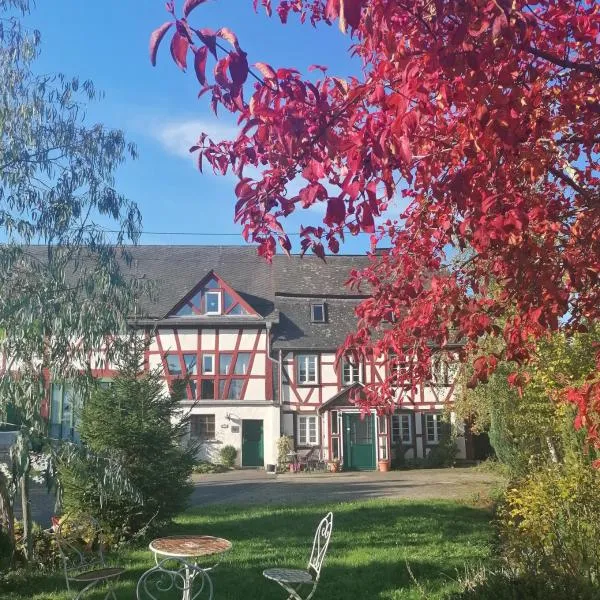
{"x": 296, "y": 330}
{"x": 281, "y": 291}
{"x": 310, "y": 276}
{"x": 176, "y": 270}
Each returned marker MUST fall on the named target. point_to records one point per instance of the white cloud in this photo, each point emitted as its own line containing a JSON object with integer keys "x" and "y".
{"x": 177, "y": 137}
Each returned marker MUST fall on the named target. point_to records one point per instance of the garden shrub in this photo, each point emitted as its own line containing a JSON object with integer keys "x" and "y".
{"x": 505, "y": 584}
{"x": 205, "y": 467}
{"x": 138, "y": 426}
{"x": 446, "y": 451}
{"x": 549, "y": 522}
{"x": 227, "y": 456}
{"x": 285, "y": 445}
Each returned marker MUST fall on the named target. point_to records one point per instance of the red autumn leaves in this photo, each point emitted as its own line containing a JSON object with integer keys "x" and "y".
{"x": 481, "y": 119}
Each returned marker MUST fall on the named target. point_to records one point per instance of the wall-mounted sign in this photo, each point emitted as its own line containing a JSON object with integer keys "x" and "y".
{"x": 224, "y": 426}
{"x": 235, "y": 429}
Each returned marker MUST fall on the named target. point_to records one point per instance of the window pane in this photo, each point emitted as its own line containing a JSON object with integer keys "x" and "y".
{"x": 211, "y": 284}
{"x": 202, "y": 427}
{"x": 55, "y": 416}
{"x": 225, "y": 363}
{"x": 307, "y": 368}
{"x": 190, "y": 363}
{"x": 185, "y": 311}
{"x": 207, "y": 389}
{"x": 318, "y": 313}
{"x": 191, "y": 392}
{"x": 212, "y": 302}
{"x": 302, "y": 430}
{"x": 173, "y": 364}
{"x": 312, "y": 430}
{"x": 335, "y": 448}
{"x": 334, "y": 421}
{"x": 208, "y": 363}
{"x": 242, "y": 363}
{"x": 228, "y": 301}
{"x": 382, "y": 423}
{"x": 406, "y": 433}
{"x": 235, "y": 389}
{"x": 237, "y": 310}
{"x": 67, "y": 413}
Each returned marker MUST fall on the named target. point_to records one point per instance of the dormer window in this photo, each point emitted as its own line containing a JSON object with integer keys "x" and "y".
{"x": 212, "y": 297}
{"x": 213, "y": 303}
{"x": 317, "y": 313}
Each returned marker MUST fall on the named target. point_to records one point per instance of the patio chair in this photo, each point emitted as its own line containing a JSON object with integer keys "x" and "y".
{"x": 174, "y": 576}
{"x": 294, "y": 580}
{"x": 80, "y": 543}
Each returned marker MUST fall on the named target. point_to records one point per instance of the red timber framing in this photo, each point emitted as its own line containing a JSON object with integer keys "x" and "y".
{"x": 230, "y": 303}
{"x": 232, "y": 370}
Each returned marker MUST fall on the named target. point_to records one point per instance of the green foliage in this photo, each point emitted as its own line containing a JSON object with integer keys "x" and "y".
{"x": 204, "y": 467}
{"x": 140, "y": 427}
{"x": 504, "y": 584}
{"x": 532, "y": 426}
{"x": 46, "y": 555}
{"x": 549, "y": 523}
{"x": 445, "y": 453}
{"x": 227, "y": 456}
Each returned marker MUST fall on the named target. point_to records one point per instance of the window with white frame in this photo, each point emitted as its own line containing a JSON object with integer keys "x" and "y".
{"x": 432, "y": 427}
{"x": 307, "y": 430}
{"x": 306, "y": 368}
{"x": 317, "y": 313}
{"x": 401, "y": 429}
{"x": 350, "y": 372}
{"x": 213, "y": 303}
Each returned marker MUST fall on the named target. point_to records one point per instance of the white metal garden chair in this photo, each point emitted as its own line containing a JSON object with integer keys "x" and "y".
{"x": 294, "y": 580}
{"x": 174, "y": 575}
{"x": 81, "y": 545}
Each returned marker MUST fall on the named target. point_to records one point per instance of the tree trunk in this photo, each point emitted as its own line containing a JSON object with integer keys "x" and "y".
{"x": 7, "y": 517}
{"x": 26, "y": 508}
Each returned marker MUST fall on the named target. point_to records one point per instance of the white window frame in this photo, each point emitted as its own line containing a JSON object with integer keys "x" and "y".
{"x": 220, "y": 299}
{"x": 312, "y": 312}
{"x": 306, "y": 357}
{"x": 436, "y": 427}
{"x": 345, "y": 363}
{"x": 401, "y": 417}
{"x": 212, "y": 371}
{"x": 306, "y": 440}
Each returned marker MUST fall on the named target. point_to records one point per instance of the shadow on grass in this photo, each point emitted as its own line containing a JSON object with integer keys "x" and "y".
{"x": 370, "y": 546}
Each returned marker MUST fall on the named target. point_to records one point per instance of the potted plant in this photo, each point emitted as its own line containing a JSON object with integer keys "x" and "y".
{"x": 335, "y": 465}
{"x": 384, "y": 465}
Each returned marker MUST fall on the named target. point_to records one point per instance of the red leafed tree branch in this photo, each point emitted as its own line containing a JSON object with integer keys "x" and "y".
{"x": 483, "y": 115}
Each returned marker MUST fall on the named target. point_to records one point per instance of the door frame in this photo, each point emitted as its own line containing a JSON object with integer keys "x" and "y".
{"x": 346, "y": 415}
{"x": 262, "y": 442}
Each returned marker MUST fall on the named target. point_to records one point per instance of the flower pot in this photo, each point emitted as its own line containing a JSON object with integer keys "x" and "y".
{"x": 334, "y": 466}
{"x": 384, "y": 466}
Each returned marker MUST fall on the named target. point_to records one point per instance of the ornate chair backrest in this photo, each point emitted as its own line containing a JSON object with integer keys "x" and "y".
{"x": 174, "y": 575}
{"x": 80, "y": 543}
{"x": 320, "y": 545}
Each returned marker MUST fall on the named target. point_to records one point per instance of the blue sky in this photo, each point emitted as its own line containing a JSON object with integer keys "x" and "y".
{"x": 107, "y": 42}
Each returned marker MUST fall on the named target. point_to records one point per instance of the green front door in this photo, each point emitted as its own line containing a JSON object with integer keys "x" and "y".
{"x": 359, "y": 441}
{"x": 252, "y": 444}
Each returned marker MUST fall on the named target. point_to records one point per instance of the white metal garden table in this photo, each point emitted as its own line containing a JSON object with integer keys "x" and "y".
{"x": 186, "y": 548}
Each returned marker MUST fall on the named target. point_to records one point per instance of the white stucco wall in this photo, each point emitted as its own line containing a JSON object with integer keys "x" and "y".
{"x": 227, "y": 418}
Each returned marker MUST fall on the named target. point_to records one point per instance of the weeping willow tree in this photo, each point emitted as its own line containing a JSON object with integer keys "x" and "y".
{"x": 64, "y": 285}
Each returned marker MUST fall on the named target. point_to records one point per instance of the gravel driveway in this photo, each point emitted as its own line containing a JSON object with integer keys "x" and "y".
{"x": 256, "y": 487}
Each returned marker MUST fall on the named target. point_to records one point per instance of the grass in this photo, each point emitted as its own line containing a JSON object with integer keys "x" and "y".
{"x": 372, "y": 544}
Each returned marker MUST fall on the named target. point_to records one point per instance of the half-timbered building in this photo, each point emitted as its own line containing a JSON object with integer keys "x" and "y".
{"x": 257, "y": 344}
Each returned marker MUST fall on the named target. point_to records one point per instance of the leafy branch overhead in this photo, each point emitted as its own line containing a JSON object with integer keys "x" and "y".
{"x": 481, "y": 118}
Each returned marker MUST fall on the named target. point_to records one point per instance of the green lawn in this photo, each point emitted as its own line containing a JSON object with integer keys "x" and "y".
{"x": 371, "y": 545}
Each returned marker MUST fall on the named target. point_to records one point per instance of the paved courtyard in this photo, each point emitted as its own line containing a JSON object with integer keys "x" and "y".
{"x": 256, "y": 487}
